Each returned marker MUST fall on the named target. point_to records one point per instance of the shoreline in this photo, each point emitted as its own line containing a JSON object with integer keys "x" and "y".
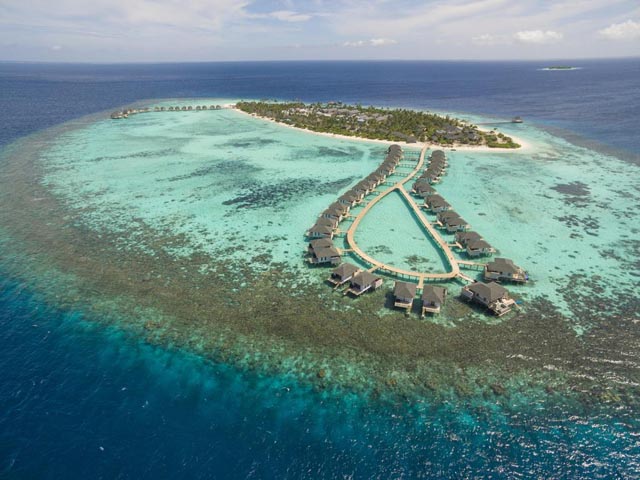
{"x": 524, "y": 145}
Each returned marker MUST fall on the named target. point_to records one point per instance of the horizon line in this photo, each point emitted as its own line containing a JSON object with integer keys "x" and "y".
{"x": 173, "y": 62}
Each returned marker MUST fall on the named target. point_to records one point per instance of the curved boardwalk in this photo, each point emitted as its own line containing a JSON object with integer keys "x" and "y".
{"x": 377, "y": 265}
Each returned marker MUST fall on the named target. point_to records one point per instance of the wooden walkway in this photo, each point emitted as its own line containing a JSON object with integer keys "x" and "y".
{"x": 444, "y": 247}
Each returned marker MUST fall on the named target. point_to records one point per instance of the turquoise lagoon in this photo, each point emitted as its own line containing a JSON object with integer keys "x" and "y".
{"x": 246, "y": 188}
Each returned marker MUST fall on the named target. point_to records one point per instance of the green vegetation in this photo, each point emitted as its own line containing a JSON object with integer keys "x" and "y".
{"x": 397, "y": 125}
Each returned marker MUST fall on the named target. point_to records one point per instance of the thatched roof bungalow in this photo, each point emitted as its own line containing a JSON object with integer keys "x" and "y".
{"x": 504, "y": 269}
{"x": 343, "y": 274}
{"x": 491, "y": 295}
{"x": 363, "y": 282}
{"x": 433, "y": 299}
{"x": 403, "y": 294}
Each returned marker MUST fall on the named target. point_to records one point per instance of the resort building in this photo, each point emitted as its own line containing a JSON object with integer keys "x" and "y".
{"x": 325, "y": 255}
{"x": 477, "y": 248}
{"x": 433, "y": 299}
{"x": 403, "y": 294}
{"x": 376, "y": 178}
{"x": 319, "y": 243}
{"x": 436, "y": 203}
{"x": 350, "y": 198}
{"x": 363, "y": 282}
{"x": 456, "y": 225}
{"x": 463, "y": 238}
{"x": 504, "y": 269}
{"x": 331, "y": 222}
{"x": 492, "y": 295}
{"x": 447, "y": 215}
{"x": 336, "y": 210}
{"x": 320, "y": 231}
{"x": 425, "y": 189}
{"x": 365, "y": 186}
{"x": 343, "y": 274}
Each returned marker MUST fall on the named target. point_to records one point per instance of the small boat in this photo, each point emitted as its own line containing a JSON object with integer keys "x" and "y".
{"x": 517, "y": 120}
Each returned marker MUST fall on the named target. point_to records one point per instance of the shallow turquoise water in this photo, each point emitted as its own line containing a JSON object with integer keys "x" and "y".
{"x": 221, "y": 178}
{"x": 246, "y": 188}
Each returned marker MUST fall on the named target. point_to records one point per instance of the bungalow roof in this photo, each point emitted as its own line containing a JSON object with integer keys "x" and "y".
{"x": 432, "y": 294}
{"x": 321, "y": 243}
{"x": 364, "y": 279}
{"x": 492, "y": 291}
{"x": 345, "y": 270}
{"x": 503, "y": 265}
{"x": 404, "y": 290}
{"x": 326, "y": 252}
{"x": 478, "y": 244}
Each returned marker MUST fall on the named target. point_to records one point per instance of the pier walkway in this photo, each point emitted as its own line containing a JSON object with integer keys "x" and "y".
{"x": 442, "y": 245}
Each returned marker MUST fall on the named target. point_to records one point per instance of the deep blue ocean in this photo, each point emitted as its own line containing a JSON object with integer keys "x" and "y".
{"x": 78, "y": 400}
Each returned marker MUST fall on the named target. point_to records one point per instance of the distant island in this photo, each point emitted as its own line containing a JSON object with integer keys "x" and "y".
{"x": 561, "y": 67}
{"x": 395, "y": 125}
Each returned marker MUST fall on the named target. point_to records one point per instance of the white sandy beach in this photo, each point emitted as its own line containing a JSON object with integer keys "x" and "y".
{"x": 524, "y": 145}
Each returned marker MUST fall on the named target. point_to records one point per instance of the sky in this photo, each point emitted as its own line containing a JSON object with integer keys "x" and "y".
{"x": 223, "y": 30}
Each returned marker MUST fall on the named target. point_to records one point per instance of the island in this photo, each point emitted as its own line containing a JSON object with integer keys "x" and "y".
{"x": 394, "y": 125}
{"x": 560, "y": 67}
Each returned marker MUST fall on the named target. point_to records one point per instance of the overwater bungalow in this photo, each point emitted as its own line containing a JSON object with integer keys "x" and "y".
{"x": 198, "y": 107}
{"x": 190, "y": 107}
{"x": 320, "y": 231}
{"x": 392, "y": 164}
{"x": 382, "y": 174}
{"x": 447, "y": 215}
{"x": 117, "y": 115}
{"x": 423, "y": 189}
{"x": 325, "y": 255}
{"x": 465, "y": 237}
{"x": 349, "y": 198}
{"x": 403, "y": 294}
{"x": 162, "y": 109}
{"x": 336, "y": 210}
{"x": 319, "y": 243}
{"x": 365, "y": 186}
{"x": 364, "y": 281}
{"x": 184, "y": 108}
{"x": 386, "y": 170}
{"x": 456, "y": 225}
{"x": 433, "y": 299}
{"x": 477, "y": 248}
{"x": 376, "y": 178}
{"x": 343, "y": 274}
{"x": 435, "y": 203}
{"x": 439, "y": 164}
{"x": 504, "y": 269}
{"x": 330, "y": 222}
{"x": 431, "y": 177}
{"x": 491, "y": 295}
